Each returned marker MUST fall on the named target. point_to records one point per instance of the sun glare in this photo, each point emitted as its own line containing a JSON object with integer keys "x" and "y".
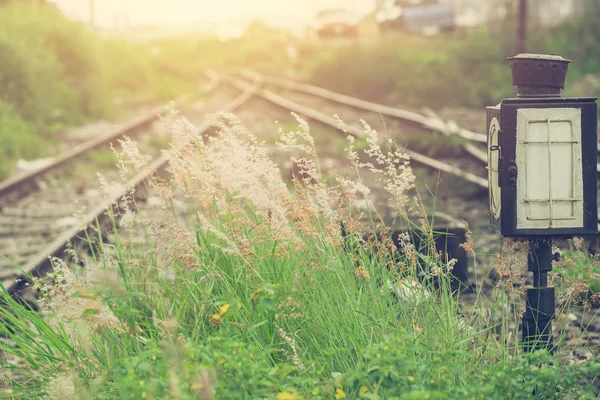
{"x": 203, "y": 15}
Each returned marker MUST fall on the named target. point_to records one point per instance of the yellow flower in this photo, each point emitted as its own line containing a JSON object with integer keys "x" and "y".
{"x": 222, "y": 311}
{"x": 339, "y": 394}
{"x": 363, "y": 390}
{"x": 285, "y": 396}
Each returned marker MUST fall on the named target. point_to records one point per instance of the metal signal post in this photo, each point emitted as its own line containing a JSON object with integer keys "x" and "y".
{"x": 542, "y": 173}
{"x": 541, "y": 303}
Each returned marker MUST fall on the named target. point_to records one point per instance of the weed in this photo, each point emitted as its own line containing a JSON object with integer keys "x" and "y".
{"x": 578, "y": 274}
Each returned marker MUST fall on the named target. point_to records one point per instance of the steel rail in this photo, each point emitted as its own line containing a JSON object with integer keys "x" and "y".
{"x": 434, "y": 124}
{"x": 351, "y": 129}
{"x": 40, "y": 263}
{"x": 11, "y": 185}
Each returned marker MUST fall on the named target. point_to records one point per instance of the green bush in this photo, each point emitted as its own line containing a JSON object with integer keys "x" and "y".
{"x": 49, "y": 80}
{"x": 56, "y": 73}
{"x": 32, "y": 81}
{"x": 578, "y": 41}
{"x": 50, "y": 67}
{"x": 400, "y": 368}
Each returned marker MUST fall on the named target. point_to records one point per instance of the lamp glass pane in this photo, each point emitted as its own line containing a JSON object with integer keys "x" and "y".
{"x": 550, "y": 184}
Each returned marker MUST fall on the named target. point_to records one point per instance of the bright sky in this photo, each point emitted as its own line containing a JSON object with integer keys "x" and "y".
{"x": 207, "y": 13}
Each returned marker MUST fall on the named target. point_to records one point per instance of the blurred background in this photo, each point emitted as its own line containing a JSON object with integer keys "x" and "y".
{"x": 67, "y": 62}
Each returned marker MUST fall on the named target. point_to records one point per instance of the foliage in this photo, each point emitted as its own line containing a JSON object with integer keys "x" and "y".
{"x": 579, "y": 273}
{"x": 146, "y": 76}
{"x": 58, "y": 73}
{"x": 262, "y": 294}
{"x": 49, "y": 78}
{"x": 49, "y": 67}
{"x": 400, "y": 368}
{"x": 576, "y": 40}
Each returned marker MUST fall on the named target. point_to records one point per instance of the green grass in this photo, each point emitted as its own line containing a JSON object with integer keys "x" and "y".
{"x": 260, "y": 295}
{"x": 578, "y": 268}
{"x": 18, "y": 139}
{"x": 301, "y": 324}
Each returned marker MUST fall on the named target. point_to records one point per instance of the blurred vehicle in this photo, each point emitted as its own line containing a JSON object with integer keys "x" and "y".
{"x": 336, "y": 23}
{"x": 426, "y": 16}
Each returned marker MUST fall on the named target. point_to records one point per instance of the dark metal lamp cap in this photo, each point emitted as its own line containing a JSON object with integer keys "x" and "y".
{"x": 538, "y": 75}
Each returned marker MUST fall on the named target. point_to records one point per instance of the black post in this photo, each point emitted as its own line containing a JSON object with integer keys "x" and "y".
{"x": 522, "y": 30}
{"x": 540, "y": 308}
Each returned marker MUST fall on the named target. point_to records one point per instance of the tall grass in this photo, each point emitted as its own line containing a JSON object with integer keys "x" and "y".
{"x": 265, "y": 291}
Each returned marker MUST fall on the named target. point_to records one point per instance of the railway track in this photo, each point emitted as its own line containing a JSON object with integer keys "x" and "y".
{"x": 355, "y": 131}
{"x": 37, "y": 216}
{"x": 433, "y": 124}
{"x": 27, "y": 182}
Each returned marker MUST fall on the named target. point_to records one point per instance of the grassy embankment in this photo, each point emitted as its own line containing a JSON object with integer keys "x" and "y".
{"x": 56, "y": 74}
{"x": 262, "y": 295}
